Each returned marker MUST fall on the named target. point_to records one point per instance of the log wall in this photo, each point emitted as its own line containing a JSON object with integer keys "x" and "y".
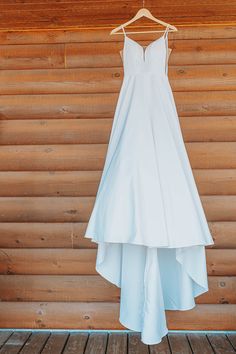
{"x": 58, "y": 95}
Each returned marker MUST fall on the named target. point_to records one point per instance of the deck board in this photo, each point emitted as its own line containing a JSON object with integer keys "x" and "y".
{"x": 15, "y": 342}
{"x": 114, "y": 342}
{"x": 35, "y": 343}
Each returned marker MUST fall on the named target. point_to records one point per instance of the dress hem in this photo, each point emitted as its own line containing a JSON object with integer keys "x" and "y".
{"x": 204, "y": 243}
{"x": 157, "y": 341}
{"x": 120, "y": 275}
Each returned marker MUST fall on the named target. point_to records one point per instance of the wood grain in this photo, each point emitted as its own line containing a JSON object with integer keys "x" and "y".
{"x": 38, "y": 56}
{"x": 95, "y": 131}
{"x": 105, "y": 315}
{"x": 70, "y": 235}
{"x": 72, "y": 288}
{"x": 57, "y": 15}
{"x": 221, "y": 31}
{"x": 220, "y": 155}
{"x": 193, "y": 51}
{"x": 85, "y": 183}
{"x": 59, "y": 90}
{"x": 78, "y": 209}
{"x": 108, "y": 80}
{"x": 53, "y": 106}
{"x": 82, "y": 262}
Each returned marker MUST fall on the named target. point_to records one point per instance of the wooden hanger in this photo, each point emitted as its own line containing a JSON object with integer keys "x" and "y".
{"x": 143, "y": 12}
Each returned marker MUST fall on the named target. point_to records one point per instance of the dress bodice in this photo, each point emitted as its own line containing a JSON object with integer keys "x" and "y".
{"x": 153, "y": 59}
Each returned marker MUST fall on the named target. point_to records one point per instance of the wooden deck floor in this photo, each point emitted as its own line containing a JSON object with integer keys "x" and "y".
{"x": 46, "y": 342}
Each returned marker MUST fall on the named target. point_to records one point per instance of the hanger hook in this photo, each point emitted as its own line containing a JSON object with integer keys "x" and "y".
{"x": 143, "y": 2}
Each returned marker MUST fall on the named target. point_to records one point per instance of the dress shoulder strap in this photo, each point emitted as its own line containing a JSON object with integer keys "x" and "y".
{"x": 166, "y": 45}
{"x": 123, "y": 30}
{"x": 166, "y": 31}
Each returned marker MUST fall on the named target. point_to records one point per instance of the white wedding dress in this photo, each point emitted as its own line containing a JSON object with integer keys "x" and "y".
{"x": 147, "y": 219}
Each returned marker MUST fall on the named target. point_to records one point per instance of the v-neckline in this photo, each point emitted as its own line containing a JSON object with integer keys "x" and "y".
{"x": 149, "y": 45}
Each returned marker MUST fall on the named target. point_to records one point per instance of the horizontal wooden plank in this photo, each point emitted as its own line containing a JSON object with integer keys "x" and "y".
{"x": 213, "y": 181}
{"x": 222, "y": 290}
{"x": 60, "y": 81}
{"x": 221, "y": 262}
{"x": 109, "y": 80}
{"x": 43, "y": 56}
{"x": 94, "y": 15}
{"x": 12, "y": 3}
{"x": 56, "y": 6}
{"x": 185, "y": 52}
{"x": 219, "y": 208}
{"x": 47, "y": 261}
{"x": 52, "y": 157}
{"x": 105, "y": 54}
{"x": 97, "y": 315}
{"x": 70, "y": 235}
{"x": 66, "y": 22}
{"x": 85, "y": 183}
{"x": 202, "y": 77}
{"x": 48, "y": 235}
{"x": 223, "y": 233}
{"x": 62, "y": 13}
{"x": 58, "y": 106}
{"x": 213, "y": 155}
{"x": 57, "y": 183}
{"x": 44, "y": 209}
{"x": 79, "y": 262}
{"x": 208, "y": 129}
{"x": 203, "y": 103}
{"x": 91, "y": 288}
{"x": 59, "y": 131}
{"x": 65, "y": 19}
{"x": 95, "y": 131}
{"x": 91, "y": 34}
{"x": 59, "y": 288}
{"x": 78, "y": 209}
